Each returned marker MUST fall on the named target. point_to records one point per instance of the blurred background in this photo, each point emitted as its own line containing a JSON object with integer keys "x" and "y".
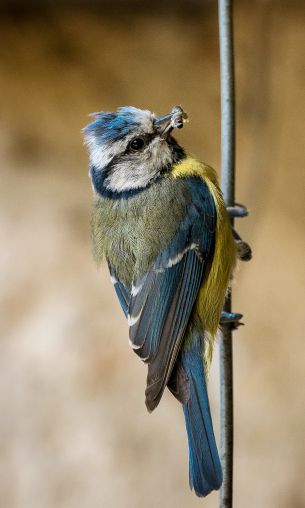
{"x": 71, "y": 434}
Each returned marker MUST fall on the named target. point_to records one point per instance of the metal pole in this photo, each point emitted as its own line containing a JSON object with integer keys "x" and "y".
{"x": 228, "y": 189}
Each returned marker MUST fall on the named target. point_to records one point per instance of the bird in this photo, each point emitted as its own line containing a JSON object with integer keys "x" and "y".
{"x": 159, "y": 220}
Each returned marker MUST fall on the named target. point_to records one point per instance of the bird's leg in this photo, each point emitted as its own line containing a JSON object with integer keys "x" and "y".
{"x": 231, "y": 318}
{"x": 244, "y": 252}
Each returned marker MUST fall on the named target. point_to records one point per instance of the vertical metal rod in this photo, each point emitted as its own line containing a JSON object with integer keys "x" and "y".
{"x": 228, "y": 188}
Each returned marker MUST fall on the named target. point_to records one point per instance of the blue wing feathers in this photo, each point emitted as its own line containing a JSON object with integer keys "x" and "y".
{"x": 151, "y": 323}
{"x": 174, "y": 328}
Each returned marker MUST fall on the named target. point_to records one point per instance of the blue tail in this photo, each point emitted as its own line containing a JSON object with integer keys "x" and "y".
{"x": 205, "y": 468}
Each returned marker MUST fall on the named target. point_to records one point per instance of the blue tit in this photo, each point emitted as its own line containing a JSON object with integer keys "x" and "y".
{"x": 160, "y": 221}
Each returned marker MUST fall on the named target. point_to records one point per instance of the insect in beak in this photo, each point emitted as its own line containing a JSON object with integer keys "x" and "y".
{"x": 165, "y": 124}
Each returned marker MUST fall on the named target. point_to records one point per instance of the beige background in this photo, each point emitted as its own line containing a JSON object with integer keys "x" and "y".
{"x": 74, "y": 432}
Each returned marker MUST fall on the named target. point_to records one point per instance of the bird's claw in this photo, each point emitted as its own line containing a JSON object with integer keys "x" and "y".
{"x": 231, "y": 319}
{"x": 244, "y": 251}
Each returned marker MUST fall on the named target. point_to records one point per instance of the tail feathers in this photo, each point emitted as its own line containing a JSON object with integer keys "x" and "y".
{"x": 204, "y": 465}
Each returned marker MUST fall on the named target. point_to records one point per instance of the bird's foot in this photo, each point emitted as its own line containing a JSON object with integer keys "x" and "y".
{"x": 231, "y": 319}
{"x": 244, "y": 251}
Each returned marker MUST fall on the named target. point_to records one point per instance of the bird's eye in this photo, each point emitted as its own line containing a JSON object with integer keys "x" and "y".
{"x": 136, "y": 144}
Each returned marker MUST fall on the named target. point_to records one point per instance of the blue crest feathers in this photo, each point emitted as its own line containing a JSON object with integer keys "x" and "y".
{"x": 115, "y": 126}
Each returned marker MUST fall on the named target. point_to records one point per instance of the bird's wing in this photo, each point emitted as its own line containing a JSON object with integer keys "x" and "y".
{"x": 162, "y": 299}
{"x": 122, "y": 289}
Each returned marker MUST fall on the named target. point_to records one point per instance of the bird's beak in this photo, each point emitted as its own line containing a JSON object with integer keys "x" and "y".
{"x": 165, "y": 124}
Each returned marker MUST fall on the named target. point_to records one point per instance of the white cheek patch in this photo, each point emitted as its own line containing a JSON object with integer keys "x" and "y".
{"x": 99, "y": 154}
{"x": 139, "y": 169}
{"x": 161, "y": 154}
{"x": 125, "y": 176}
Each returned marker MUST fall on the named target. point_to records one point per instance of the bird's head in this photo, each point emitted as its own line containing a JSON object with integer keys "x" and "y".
{"x": 131, "y": 148}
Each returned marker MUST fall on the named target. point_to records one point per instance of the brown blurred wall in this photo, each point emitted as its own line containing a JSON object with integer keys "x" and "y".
{"x": 74, "y": 431}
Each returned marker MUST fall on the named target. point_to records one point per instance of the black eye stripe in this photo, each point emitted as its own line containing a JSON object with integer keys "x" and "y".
{"x": 146, "y": 138}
